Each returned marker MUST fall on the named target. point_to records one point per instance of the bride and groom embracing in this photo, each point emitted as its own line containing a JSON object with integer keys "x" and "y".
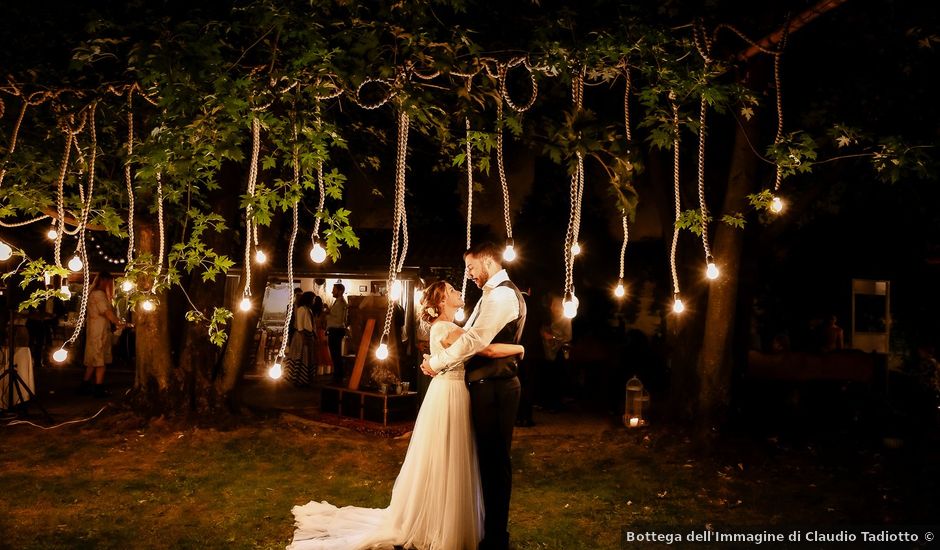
{"x": 453, "y": 490}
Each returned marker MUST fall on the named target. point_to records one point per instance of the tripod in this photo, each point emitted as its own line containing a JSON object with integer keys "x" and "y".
{"x": 15, "y": 382}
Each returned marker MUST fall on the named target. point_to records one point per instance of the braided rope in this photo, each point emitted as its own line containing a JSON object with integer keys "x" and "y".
{"x": 252, "y": 181}
{"x": 128, "y": 176}
{"x": 469, "y": 161}
{"x": 704, "y": 50}
{"x": 675, "y": 174}
{"x": 160, "y": 227}
{"x": 26, "y": 222}
{"x": 60, "y": 198}
{"x": 778, "y": 85}
{"x": 397, "y": 213}
{"x": 500, "y": 167}
{"x": 16, "y": 131}
{"x": 626, "y": 103}
{"x": 623, "y": 247}
{"x": 503, "y": 70}
{"x": 295, "y": 161}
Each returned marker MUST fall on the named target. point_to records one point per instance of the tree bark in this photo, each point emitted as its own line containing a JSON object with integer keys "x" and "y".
{"x": 716, "y": 365}
{"x": 154, "y": 373}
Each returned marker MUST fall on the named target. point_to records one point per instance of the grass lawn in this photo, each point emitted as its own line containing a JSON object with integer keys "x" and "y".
{"x": 108, "y": 485}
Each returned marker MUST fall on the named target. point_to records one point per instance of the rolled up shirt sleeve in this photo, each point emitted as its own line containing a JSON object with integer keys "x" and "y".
{"x": 499, "y": 307}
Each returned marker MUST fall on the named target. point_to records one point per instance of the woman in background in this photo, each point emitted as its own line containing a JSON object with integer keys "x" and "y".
{"x": 98, "y": 333}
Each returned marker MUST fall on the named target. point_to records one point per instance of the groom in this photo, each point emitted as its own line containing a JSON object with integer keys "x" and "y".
{"x": 494, "y": 388}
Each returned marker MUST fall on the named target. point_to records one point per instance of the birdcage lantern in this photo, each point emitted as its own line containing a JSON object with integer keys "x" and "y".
{"x": 636, "y": 404}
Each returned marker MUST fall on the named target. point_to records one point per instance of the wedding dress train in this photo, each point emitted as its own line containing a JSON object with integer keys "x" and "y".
{"x": 436, "y": 502}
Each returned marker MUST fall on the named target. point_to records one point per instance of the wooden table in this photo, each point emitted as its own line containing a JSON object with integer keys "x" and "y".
{"x": 369, "y": 406}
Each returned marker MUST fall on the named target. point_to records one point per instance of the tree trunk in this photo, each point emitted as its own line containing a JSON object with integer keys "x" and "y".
{"x": 716, "y": 365}
{"x": 154, "y": 386}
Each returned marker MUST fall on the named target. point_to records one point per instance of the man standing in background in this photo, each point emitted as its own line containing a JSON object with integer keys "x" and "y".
{"x": 336, "y": 330}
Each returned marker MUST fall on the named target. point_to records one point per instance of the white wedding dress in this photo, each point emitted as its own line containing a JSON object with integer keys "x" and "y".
{"x": 436, "y": 500}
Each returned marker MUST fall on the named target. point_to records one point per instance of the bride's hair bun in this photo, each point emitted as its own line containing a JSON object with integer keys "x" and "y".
{"x": 433, "y": 301}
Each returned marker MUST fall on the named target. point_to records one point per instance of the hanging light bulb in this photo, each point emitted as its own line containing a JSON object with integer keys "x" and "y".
{"x": 677, "y": 305}
{"x": 52, "y": 233}
{"x": 64, "y": 289}
{"x": 60, "y": 355}
{"x": 275, "y": 371}
{"x": 147, "y": 305}
{"x": 575, "y": 249}
{"x": 76, "y": 264}
{"x": 317, "y": 253}
{"x": 245, "y": 304}
{"x": 570, "y": 306}
{"x": 776, "y": 205}
{"x": 47, "y": 278}
{"x": 620, "y": 291}
{"x": 459, "y": 315}
{"x": 260, "y": 256}
{"x": 509, "y": 253}
{"x": 381, "y": 352}
{"x": 395, "y": 293}
{"x": 712, "y": 270}
{"x": 5, "y": 251}
{"x": 127, "y": 285}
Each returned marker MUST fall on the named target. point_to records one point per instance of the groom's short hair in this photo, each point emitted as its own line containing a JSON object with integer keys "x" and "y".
{"x": 485, "y": 249}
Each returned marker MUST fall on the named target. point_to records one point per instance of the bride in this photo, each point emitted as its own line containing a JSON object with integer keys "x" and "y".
{"x": 436, "y": 501}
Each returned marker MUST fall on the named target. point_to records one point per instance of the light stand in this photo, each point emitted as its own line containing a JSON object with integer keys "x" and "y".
{"x": 15, "y": 382}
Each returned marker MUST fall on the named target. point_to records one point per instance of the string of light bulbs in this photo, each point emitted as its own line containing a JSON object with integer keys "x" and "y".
{"x": 76, "y": 263}
{"x": 572, "y": 248}
{"x": 677, "y": 305}
{"x": 461, "y": 314}
{"x": 276, "y": 370}
{"x": 704, "y": 48}
{"x": 245, "y": 303}
{"x": 509, "y": 253}
{"x": 398, "y": 213}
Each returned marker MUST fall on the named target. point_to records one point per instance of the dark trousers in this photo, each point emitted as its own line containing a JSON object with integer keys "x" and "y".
{"x": 493, "y": 405}
{"x": 335, "y": 342}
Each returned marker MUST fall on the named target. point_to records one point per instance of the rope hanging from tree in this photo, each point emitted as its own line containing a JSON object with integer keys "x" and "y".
{"x": 399, "y": 227}
{"x": 460, "y": 315}
{"x": 128, "y": 176}
{"x": 295, "y": 162}
{"x": 572, "y": 247}
{"x": 677, "y": 305}
{"x": 250, "y": 234}
{"x": 704, "y": 48}
{"x": 619, "y": 290}
{"x": 509, "y": 254}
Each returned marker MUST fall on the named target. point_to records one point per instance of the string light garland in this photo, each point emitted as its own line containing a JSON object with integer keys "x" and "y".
{"x": 62, "y": 353}
{"x": 509, "y": 254}
{"x": 399, "y": 229}
{"x": 570, "y": 302}
{"x": 677, "y": 305}
{"x": 317, "y": 252}
{"x": 460, "y": 315}
{"x": 249, "y": 223}
{"x": 703, "y": 45}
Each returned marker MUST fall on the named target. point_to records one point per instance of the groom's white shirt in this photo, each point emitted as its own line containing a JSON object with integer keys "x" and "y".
{"x": 499, "y": 307}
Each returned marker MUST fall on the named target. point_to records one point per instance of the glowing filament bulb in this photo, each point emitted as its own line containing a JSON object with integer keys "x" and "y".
{"x": 317, "y": 253}
{"x": 459, "y": 315}
{"x": 570, "y": 306}
{"x": 678, "y": 306}
{"x": 52, "y": 233}
{"x": 712, "y": 271}
{"x": 245, "y": 304}
{"x": 260, "y": 256}
{"x": 395, "y": 293}
{"x": 76, "y": 264}
{"x": 509, "y": 254}
{"x": 620, "y": 291}
{"x": 381, "y": 352}
{"x": 5, "y": 251}
{"x": 64, "y": 289}
{"x": 47, "y": 278}
{"x": 275, "y": 371}
{"x": 147, "y": 305}
{"x": 575, "y": 249}
{"x": 776, "y": 205}
{"x": 127, "y": 285}
{"x": 60, "y": 355}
